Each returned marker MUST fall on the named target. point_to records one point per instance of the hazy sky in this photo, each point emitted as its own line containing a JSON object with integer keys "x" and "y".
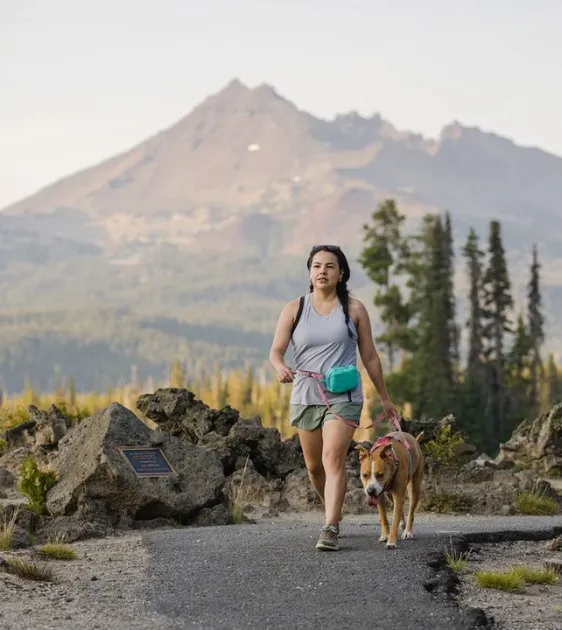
{"x": 83, "y": 79}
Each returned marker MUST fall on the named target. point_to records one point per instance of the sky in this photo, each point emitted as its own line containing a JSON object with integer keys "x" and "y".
{"x": 81, "y": 80}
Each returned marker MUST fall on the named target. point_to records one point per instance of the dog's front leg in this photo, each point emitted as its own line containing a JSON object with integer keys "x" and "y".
{"x": 397, "y": 513}
{"x": 383, "y": 518}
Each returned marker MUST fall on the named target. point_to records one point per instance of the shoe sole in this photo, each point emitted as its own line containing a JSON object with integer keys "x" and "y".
{"x": 322, "y": 547}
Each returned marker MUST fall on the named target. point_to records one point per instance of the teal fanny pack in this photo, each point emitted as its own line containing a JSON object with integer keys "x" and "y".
{"x": 339, "y": 380}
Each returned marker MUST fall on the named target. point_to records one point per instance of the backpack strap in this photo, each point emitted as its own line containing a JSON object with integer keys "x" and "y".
{"x": 299, "y": 313}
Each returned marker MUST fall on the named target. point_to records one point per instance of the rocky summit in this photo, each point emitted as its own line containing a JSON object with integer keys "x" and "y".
{"x": 187, "y": 244}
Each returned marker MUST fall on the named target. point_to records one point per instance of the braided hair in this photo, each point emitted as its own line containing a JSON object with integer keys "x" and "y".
{"x": 341, "y": 290}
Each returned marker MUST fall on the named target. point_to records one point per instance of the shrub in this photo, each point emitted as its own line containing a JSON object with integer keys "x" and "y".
{"x": 34, "y": 484}
{"x": 444, "y": 447}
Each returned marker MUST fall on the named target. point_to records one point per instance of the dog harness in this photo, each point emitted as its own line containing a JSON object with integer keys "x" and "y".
{"x": 388, "y": 440}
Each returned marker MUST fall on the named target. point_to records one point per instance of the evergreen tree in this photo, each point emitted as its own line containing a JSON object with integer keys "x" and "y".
{"x": 382, "y": 258}
{"x": 517, "y": 371}
{"x": 474, "y": 257}
{"x": 536, "y": 327}
{"x": 497, "y": 303}
{"x": 433, "y": 355}
{"x": 473, "y": 407}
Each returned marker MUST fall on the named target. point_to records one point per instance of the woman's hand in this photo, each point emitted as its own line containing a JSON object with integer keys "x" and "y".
{"x": 389, "y": 409}
{"x": 284, "y": 374}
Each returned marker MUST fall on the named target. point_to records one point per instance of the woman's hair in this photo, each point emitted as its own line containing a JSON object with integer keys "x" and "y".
{"x": 341, "y": 290}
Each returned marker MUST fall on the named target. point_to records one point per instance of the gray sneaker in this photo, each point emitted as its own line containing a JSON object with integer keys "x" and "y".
{"x": 328, "y": 540}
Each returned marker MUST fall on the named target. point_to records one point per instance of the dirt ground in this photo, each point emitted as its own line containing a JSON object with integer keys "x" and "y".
{"x": 538, "y": 607}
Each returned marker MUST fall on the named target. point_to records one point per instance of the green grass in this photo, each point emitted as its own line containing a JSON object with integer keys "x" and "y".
{"x": 501, "y": 580}
{"x": 514, "y": 579}
{"x": 456, "y": 561}
{"x": 536, "y": 576}
{"x": 533, "y": 504}
{"x": 58, "y": 551}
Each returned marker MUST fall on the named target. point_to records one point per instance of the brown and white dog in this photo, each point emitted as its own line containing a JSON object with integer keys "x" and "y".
{"x": 390, "y": 468}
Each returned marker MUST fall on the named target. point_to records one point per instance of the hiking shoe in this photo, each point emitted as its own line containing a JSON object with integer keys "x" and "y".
{"x": 328, "y": 540}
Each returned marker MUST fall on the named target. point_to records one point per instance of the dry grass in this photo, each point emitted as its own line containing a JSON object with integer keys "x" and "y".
{"x": 7, "y": 527}
{"x": 28, "y": 570}
{"x": 238, "y": 499}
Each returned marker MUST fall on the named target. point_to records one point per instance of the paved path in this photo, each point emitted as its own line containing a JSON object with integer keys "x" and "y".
{"x": 268, "y": 575}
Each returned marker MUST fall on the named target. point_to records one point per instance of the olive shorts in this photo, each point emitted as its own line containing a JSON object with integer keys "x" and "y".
{"x": 311, "y": 417}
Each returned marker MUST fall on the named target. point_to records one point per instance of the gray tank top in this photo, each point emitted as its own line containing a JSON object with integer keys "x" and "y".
{"x": 319, "y": 343}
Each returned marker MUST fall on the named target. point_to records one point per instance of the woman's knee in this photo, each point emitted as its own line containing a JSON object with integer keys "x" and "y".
{"x": 333, "y": 459}
{"x": 315, "y": 469}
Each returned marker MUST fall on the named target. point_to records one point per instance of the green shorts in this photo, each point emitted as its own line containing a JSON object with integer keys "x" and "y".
{"x": 311, "y": 417}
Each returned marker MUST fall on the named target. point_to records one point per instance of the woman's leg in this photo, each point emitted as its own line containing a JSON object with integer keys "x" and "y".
{"x": 337, "y": 438}
{"x": 311, "y": 443}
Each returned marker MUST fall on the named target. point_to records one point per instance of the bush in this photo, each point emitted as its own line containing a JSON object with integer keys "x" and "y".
{"x": 444, "y": 447}
{"x": 34, "y": 484}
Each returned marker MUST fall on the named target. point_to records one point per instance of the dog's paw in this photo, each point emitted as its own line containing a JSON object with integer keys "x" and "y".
{"x": 390, "y": 545}
{"x": 383, "y": 538}
{"x": 407, "y": 535}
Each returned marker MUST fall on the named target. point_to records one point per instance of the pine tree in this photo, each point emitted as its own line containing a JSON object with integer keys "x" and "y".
{"x": 383, "y": 261}
{"x": 497, "y": 304}
{"x": 536, "y": 327}
{"x": 433, "y": 356}
{"x": 473, "y": 406}
{"x": 517, "y": 370}
{"x": 474, "y": 258}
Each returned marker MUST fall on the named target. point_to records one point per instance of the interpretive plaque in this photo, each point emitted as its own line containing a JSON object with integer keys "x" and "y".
{"x": 147, "y": 461}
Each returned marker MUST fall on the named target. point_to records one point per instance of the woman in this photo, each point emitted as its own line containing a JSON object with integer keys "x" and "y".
{"x": 331, "y": 326}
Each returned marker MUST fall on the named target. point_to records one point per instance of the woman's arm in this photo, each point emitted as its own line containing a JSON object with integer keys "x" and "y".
{"x": 281, "y": 341}
{"x": 367, "y": 350}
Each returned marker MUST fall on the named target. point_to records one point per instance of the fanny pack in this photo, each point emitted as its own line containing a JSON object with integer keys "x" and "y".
{"x": 339, "y": 380}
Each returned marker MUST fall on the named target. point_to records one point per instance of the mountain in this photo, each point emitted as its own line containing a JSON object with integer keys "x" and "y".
{"x": 188, "y": 244}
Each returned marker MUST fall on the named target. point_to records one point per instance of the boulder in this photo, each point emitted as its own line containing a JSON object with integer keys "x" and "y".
{"x": 50, "y": 426}
{"x": 536, "y": 444}
{"x": 96, "y": 483}
{"x": 177, "y": 412}
{"x": 7, "y": 479}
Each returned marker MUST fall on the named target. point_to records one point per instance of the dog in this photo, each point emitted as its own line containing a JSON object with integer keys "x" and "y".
{"x": 389, "y": 468}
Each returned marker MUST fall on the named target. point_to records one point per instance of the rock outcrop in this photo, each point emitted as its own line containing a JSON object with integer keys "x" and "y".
{"x": 97, "y": 483}
{"x": 536, "y": 444}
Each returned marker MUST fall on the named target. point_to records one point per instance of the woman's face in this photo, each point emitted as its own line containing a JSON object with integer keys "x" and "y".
{"x": 325, "y": 272}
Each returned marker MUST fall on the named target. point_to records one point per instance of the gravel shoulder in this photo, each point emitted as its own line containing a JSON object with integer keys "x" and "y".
{"x": 538, "y": 607}
{"x": 103, "y": 587}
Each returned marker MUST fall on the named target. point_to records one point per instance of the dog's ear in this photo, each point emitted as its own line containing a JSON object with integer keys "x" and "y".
{"x": 387, "y": 452}
{"x": 363, "y": 452}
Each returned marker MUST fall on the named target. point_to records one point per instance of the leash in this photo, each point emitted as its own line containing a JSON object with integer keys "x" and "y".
{"x": 319, "y": 377}
{"x": 396, "y": 422}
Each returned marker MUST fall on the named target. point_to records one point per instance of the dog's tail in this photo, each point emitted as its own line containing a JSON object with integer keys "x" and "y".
{"x": 419, "y": 437}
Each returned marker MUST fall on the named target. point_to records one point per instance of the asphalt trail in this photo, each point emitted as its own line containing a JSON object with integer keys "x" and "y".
{"x": 269, "y": 576}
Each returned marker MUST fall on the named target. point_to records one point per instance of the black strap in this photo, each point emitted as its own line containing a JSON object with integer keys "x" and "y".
{"x": 299, "y": 313}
